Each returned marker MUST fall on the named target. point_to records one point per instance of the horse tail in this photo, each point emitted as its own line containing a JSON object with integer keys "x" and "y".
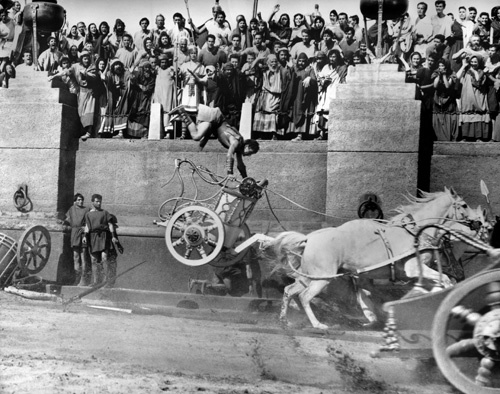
{"x": 286, "y": 246}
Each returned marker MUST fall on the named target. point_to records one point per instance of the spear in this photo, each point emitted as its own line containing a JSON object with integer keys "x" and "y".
{"x": 97, "y": 286}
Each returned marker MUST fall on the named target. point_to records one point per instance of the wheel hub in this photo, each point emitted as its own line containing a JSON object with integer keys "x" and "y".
{"x": 487, "y": 335}
{"x": 194, "y": 235}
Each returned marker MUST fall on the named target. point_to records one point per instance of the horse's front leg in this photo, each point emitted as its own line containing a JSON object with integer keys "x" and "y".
{"x": 290, "y": 292}
{"x": 366, "y": 305}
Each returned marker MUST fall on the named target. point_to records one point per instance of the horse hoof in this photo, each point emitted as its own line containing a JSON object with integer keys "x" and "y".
{"x": 372, "y": 324}
{"x": 321, "y": 326}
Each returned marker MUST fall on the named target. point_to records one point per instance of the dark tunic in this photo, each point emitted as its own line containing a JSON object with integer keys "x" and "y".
{"x": 97, "y": 223}
{"x": 76, "y": 219}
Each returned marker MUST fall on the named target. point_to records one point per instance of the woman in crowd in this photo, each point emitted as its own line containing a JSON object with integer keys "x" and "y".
{"x": 412, "y": 68}
{"x": 306, "y": 97}
{"x": 8, "y": 74}
{"x": 482, "y": 28}
{"x": 144, "y": 55}
{"x": 473, "y": 99}
{"x": 281, "y": 30}
{"x": 317, "y": 29}
{"x": 242, "y": 30}
{"x": 73, "y": 37}
{"x": 103, "y": 50}
{"x": 268, "y": 102}
{"x": 93, "y": 36}
{"x": 299, "y": 23}
{"x": 330, "y": 76}
{"x": 101, "y": 95}
{"x": 143, "y": 86}
{"x": 445, "y": 116}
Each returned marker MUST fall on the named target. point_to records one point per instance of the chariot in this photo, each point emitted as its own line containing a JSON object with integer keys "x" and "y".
{"x": 458, "y": 326}
{"x": 208, "y": 231}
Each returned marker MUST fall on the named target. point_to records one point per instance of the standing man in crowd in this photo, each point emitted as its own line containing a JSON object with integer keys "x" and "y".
{"x": 99, "y": 232}
{"x": 441, "y": 23}
{"x": 50, "y": 58}
{"x": 160, "y": 27}
{"x": 75, "y": 217}
{"x": 423, "y": 24}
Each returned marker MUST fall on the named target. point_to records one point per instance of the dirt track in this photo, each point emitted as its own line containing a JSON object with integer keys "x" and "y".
{"x": 83, "y": 350}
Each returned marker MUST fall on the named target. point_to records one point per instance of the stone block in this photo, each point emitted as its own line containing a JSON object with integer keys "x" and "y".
{"x": 35, "y": 95}
{"x": 380, "y": 91}
{"x": 39, "y": 125}
{"x": 351, "y": 174}
{"x": 155, "y": 122}
{"x": 367, "y": 125}
{"x": 39, "y": 169}
{"x": 376, "y": 73}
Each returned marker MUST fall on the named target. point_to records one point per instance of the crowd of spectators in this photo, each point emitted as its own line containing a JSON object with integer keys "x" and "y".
{"x": 280, "y": 73}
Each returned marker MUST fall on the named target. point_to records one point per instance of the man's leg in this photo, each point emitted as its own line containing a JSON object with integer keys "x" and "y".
{"x": 76, "y": 265}
{"x": 97, "y": 268}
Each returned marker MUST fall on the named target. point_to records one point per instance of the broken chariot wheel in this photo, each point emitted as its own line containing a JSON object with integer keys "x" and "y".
{"x": 33, "y": 249}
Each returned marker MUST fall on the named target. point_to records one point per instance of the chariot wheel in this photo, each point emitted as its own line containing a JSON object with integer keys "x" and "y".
{"x": 466, "y": 335}
{"x": 195, "y": 235}
{"x": 33, "y": 249}
{"x": 226, "y": 258}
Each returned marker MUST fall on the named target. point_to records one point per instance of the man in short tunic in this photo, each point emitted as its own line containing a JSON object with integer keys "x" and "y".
{"x": 99, "y": 233}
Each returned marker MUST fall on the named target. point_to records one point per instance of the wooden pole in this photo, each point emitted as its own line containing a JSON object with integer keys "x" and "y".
{"x": 255, "y": 6}
{"x": 34, "y": 8}
{"x": 366, "y": 33}
{"x": 379, "y": 31}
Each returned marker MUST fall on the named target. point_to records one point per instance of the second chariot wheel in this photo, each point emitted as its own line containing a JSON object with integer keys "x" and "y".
{"x": 195, "y": 235}
{"x": 466, "y": 335}
{"x": 33, "y": 249}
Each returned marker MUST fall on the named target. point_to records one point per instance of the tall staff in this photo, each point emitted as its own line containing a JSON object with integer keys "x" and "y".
{"x": 189, "y": 17}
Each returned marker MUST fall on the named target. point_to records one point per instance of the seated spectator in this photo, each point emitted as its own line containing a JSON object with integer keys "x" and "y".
{"x": 73, "y": 54}
{"x": 27, "y": 63}
{"x": 126, "y": 54}
{"x": 320, "y": 60}
{"x": 142, "y": 34}
{"x": 329, "y": 42}
{"x": 8, "y": 74}
{"x": 160, "y": 27}
{"x": 212, "y": 55}
{"x": 366, "y": 56}
{"x": 306, "y": 46}
{"x": 179, "y": 32}
{"x": 115, "y": 38}
{"x": 258, "y": 48}
{"x": 349, "y": 45}
{"x": 50, "y": 58}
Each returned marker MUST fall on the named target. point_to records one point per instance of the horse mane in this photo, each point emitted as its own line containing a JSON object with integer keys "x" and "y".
{"x": 415, "y": 204}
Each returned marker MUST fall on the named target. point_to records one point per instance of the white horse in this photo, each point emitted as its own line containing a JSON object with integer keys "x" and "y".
{"x": 363, "y": 246}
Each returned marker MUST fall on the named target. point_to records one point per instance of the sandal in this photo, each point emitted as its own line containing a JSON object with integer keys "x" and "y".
{"x": 298, "y": 138}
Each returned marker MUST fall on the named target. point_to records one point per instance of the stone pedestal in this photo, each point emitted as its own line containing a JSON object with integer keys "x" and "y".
{"x": 38, "y": 141}
{"x": 373, "y": 140}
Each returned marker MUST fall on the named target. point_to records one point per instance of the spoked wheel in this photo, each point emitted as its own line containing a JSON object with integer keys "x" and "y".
{"x": 195, "y": 235}
{"x": 228, "y": 257}
{"x": 33, "y": 249}
{"x": 466, "y": 335}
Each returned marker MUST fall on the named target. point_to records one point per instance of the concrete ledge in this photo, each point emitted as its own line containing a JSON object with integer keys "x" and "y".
{"x": 467, "y": 148}
{"x": 385, "y": 91}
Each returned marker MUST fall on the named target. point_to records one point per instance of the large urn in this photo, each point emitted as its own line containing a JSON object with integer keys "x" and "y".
{"x": 49, "y": 15}
{"x": 392, "y": 9}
